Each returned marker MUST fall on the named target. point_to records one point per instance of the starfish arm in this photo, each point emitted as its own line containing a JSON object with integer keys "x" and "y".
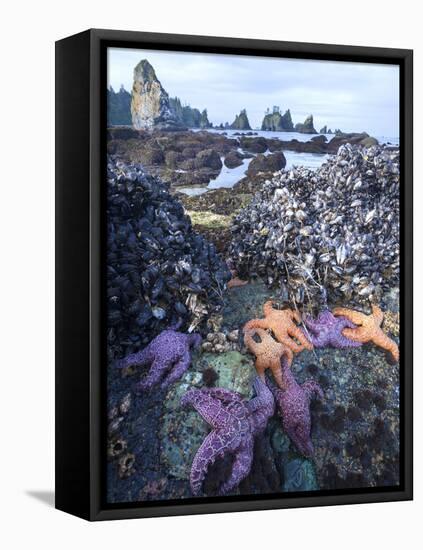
{"x": 287, "y": 358}
{"x": 177, "y": 370}
{"x": 309, "y": 334}
{"x": 311, "y": 324}
{"x": 341, "y": 341}
{"x": 211, "y": 409}
{"x": 224, "y": 395}
{"x": 377, "y": 314}
{"x": 268, "y": 308}
{"x": 383, "y": 341}
{"x": 261, "y": 367}
{"x": 319, "y": 340}
{"x": 297, "y": 333}
{"x": 312, "y": 388}
{"x": 240, "y": 468}
{"x": 277, "y": 374}
{"x": 346, "y": 323}
{"x": 256, "y": 323}
{"x": 358, "y": 334}
{"x": 354, "y": 316}
{"x": 141, "y": 358}
{"x": 283, "y": 338}
{"x": 263, "y": 398}
{"x": 154, "y": 375}
{"x": 213, "y": 446}
{"x": 277, "y": 392}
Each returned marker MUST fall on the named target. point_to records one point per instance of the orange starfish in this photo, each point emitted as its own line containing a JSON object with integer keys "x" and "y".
{"x": 281, "y": 322}
{"x": 268, "y": 354}
{"x": 368, "y": 329}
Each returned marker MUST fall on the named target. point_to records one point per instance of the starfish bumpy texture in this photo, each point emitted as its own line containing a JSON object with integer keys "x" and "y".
{"x": 368, "y": 329}
{"x": 282, "y": 323}
{"x": 327, "y": 329}
{"x": 168, "y": 355}
{"x": 294, "y": 405}
{"x": 268, "y": 353}
{"x": 235, "y": 422}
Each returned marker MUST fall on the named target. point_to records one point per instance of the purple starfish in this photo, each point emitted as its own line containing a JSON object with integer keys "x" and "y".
{"x": 327, "y": 329}
{"x": 294, "y": 405}
{"x": 235, "y": 422}
{"x": 169, "y": 357}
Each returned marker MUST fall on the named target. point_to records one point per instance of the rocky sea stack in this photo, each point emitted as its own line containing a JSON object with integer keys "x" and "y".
{"x": 333, "y": 231}
{"x": 160, "y": 271}
{"x": 276, "y": 122}
{"x": 241, "y": 121}
{"x": 307, "y": 127}
{"x": 150, "y": 105}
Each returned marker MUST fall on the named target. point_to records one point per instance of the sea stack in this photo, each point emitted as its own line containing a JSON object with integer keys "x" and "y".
{"x": 150, "y": 106}
{"x": 275, "y": 122}
{"x": 307, "y": 127}
{"x": 241, "y": 121}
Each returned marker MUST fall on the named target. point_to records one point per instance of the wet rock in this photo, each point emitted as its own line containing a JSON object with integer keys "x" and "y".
{"x": 299, "y": 476}
{"x": 362, "y": 139}
{"x": 208, "y": 159}
{"x": 233, "y": 159}
{"x": 254, "y": 145}
{"x": 319, "y": 139}
{"x": 267, "y": 163}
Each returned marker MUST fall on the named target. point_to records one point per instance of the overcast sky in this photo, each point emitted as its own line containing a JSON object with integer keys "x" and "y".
{"x": 351, "y": 96}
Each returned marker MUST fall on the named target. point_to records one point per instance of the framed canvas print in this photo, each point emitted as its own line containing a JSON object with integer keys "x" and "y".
{"x": 234, "y": 274}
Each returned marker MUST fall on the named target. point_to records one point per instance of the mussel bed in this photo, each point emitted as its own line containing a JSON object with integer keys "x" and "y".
{"x": 333, "y": 231}
{"x": 159, "y": 270}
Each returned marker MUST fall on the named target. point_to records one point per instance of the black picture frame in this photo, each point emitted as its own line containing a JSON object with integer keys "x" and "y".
{"x": 80, "y": 246}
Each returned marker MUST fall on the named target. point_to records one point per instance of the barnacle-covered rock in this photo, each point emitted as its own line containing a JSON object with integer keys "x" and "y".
{"x": 333, "y": 230}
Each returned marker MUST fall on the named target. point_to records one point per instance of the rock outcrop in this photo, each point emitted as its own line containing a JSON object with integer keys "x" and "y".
{"x": 324, "y": 130}
{"x": 267, "y": 163}
{"x": 319, "y": 139}
{"x": 188, "y": 116}
{"x": 276, "y": 122}
{"x": 233, "y": 159}
{"x": 307, "y": 127}
{"x": 363, "y": 139}
{"x": 241, "y": 121}
{"x": 254, "y": 144}
{"x": 150, "y": 105}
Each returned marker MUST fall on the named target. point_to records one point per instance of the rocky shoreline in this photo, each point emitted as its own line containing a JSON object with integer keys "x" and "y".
{"x": 188, "y": 158}
{"x": 169, "y": 260}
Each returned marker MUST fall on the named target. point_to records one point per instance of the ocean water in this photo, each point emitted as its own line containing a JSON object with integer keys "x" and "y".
{"x": 287, "y": 136}
{"x": 228, "y": 177}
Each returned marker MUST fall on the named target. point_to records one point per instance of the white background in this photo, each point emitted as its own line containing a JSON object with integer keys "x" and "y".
{"x": 28, "y": 32}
